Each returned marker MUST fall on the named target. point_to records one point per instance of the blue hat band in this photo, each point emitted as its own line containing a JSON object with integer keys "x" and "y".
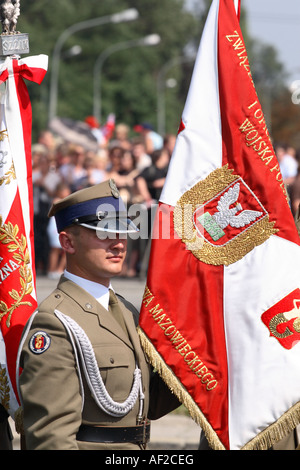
{"x": 93, "y": 207}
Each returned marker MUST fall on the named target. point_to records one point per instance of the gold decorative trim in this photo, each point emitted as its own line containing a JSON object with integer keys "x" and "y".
{"x": 237, "y": 248}
{"x": 263, "y": 441}
{"x": 233, "y": 251}
{"x": 3, "y": 134}
{"x": 8, "y": 176}
{"x": 18, "y": 246}
{"x": 179, "y": 390}
{"x": 276, "y": 431}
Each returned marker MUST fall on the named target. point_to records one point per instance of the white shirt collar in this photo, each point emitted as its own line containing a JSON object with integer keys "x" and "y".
{"x": 100, "y": 292}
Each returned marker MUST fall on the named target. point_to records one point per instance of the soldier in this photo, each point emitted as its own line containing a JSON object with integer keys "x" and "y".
{"x": 86, "y": 382}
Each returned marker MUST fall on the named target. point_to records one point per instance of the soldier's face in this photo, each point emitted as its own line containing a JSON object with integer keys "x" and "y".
{"x": 93, "y": 258}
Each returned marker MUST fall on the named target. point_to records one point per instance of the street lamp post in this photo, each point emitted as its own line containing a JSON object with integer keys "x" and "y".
{"x": 161, "y": 79}
{"x": 151, "y": 40}
{"x": 126, "y": 15}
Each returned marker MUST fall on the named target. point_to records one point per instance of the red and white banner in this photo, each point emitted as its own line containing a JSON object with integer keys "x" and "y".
{"x": 220, "y": 317}
{"x": 17, "y": 271}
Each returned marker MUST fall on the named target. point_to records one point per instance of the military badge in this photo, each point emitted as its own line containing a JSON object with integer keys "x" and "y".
{"x": 39, "y": 342}
{"x": 114, "y": 190}
{"x": 220, "y": 219}
{"x": 283, "y": 320}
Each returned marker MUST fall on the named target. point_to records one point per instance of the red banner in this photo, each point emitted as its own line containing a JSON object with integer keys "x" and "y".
{"x": 17, "y": 270}
{"x": 220, "y": 316}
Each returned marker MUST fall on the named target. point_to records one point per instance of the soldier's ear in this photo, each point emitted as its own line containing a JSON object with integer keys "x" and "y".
{"x": 67, "y": 242}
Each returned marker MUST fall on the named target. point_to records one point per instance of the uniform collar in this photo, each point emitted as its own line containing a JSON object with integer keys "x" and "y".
{"x": 98, "y": 291}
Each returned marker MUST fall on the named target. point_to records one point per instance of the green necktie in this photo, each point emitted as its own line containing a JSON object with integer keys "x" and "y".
{"x": 115, "y": 310}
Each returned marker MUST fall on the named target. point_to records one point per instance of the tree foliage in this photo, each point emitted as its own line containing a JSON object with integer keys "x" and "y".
{"x": 129, "y": 77}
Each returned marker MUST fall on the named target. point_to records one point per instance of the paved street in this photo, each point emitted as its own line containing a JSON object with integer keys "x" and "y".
{"x": 172, "y": 432}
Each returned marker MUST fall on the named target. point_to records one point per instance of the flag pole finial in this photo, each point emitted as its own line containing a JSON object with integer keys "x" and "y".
{"x": 12, "y": 42}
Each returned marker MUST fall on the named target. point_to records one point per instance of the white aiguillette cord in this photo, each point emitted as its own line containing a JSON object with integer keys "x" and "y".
{"x": 91, "y": 370}
{"x": 93, "y": 376}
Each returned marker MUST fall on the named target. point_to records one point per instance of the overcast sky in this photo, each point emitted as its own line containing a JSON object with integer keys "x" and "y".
{"x": 277, "y": 22}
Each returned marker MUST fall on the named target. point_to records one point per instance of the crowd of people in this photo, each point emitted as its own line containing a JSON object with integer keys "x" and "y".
{"x": 289, "y": 161}
{"x": 137, "y": 160}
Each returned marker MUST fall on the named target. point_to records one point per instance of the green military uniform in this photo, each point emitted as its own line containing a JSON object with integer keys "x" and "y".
{"x": 85, "y": 382}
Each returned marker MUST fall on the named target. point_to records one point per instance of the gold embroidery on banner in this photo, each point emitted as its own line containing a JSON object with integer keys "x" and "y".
{"x": 9, "y": 176}
{"x": 4, "y": 388}
{"x": 238, "y": 45}
{"x": 227, "y": 254}
{"x": 17, "y": 246}
{"x": 178, "y": 342}
{"x": 3, "y": 134}
{"x": 275, "y": 322}
{"x": 179, "y": 390}
{"x": 261, "y": 144}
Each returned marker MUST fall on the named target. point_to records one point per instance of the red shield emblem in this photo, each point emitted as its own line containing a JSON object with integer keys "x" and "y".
{"x": 283, "y": 320}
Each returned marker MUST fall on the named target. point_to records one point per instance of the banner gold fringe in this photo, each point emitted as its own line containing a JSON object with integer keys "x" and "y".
{"x": 276, "y": 431}
{"x": 178, "y": 389}
{"x": 263, "y": 441}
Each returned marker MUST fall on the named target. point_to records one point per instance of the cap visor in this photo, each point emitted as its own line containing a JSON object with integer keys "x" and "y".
{"x": 112, "y": 225}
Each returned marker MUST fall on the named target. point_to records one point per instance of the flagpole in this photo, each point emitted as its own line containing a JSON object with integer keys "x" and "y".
{"x": 18, "y": 298}
{"x": 161, "y": 118}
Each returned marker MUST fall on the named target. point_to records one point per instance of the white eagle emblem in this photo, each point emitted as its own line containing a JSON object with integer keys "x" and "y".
{"x": 226, "y": 216}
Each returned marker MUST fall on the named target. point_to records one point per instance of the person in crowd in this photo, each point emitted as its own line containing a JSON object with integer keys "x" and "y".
{"x": 45, "y": 180}
{"x": 57, "y": 260}
{"x": 294, "y": 190}
{"x": 121, "y": 137}
{"x": 47, "y": 139}
{"x": 287, "y": 162}
{"x": 153, "y": 141}
{"x": 142, "y": 159}
{"x": 129, "y": 193}
{"x": 77, "y": 171}
{"x": 126, "y": 177}
{"x": 69, "y": 401}
{"x": 93, "y": 174}
{"x": 63, "y": 159}
{"x": 115, "y": 154}
{"x": 151, "y": 180}
{"x": 169, "y": 143}
{"x": 149, "y": 186}
{"x": 102, "y": 162}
